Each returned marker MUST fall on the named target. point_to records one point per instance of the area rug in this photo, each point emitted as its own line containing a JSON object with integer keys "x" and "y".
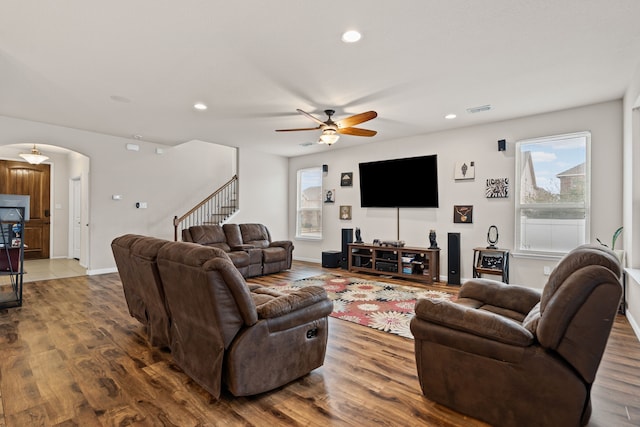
{"x": 378, "y": 305}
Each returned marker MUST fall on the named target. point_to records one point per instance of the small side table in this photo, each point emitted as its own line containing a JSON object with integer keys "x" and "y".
{"x": 491, "y": 261}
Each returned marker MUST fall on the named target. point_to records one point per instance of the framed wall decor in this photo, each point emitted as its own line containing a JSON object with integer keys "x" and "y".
{"x": 330, "y": 196}
{"x": 465, "y": 170}
{"x": 463, "y": 214}
{"x": 345, "y": 212}
{"x": 497, "y": 188}
{"x": 346, "y": 179}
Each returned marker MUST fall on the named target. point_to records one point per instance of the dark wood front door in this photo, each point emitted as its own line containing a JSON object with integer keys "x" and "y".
{"x": 32, "y": 180}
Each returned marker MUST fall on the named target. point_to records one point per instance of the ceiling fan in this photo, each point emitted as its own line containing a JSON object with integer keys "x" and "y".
{"x": 331, "y": 129}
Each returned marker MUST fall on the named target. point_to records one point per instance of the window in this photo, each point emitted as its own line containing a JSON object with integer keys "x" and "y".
{"x": 309, "y": 201}
{"x": 552, "y": 205}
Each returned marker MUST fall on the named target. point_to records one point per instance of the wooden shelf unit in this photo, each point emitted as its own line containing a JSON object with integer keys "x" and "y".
{"x": 491, "y": 261}
{"x": 418, "y": 264}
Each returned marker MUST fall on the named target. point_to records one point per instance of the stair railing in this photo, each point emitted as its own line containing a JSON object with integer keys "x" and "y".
{"x": 215, "y": 209}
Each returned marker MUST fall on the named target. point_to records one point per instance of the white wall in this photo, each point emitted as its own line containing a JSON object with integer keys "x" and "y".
{"x": 631, "y": 111}
{"x": 479, "y": 144}
{"x": 170, "y": 183}
{"x": 263, "y": 183}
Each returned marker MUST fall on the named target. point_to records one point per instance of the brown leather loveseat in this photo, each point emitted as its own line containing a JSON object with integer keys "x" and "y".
{"x": 511, "y": 356}
{"x": 248, "y": 245}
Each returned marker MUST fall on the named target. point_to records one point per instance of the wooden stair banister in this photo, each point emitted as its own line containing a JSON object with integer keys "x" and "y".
{"x": 214, "y": 209}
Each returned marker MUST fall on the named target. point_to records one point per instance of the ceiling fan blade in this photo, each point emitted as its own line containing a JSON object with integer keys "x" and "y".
{"x": 318, "y": 121}
{"x": 357, "y": 131}
{"x": 356, "y": 119}
{"x": 294, "y": 130}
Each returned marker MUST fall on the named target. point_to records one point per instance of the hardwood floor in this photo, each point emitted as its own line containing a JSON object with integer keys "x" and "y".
{"x": 72, "y": 355}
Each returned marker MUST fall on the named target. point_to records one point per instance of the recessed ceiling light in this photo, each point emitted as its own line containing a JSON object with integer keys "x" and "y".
{"x": 351, "y": 36}
{"x": 200, "y": 106}
{"x": 450, "y": 116}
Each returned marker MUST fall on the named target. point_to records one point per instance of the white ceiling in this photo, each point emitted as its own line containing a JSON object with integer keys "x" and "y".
{"x": 255, "y": 61}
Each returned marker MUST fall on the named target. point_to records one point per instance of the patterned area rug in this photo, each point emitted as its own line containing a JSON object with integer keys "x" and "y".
{"x": 378, "y": 305}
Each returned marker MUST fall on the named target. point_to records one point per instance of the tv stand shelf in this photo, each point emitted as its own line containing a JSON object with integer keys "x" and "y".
{"x": 418, "y": 264}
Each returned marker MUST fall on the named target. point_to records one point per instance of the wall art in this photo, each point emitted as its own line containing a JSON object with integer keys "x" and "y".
{"x": 346, "y": 179}
{"x": 345, "y": 212}
{"x": 497, "y": 188}
{"x": 330, "y": 196}
{"x": 463, "y": 214}
{"x": 465, "y": 170}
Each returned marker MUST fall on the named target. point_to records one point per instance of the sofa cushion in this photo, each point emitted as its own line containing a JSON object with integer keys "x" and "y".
{"x": 210, "y": 235}
{"x": 274, "y": 255}
{"x": 255, "y": 234}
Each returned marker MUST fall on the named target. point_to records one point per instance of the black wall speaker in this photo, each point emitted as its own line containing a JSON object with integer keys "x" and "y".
{"x": 502, "y": 145}
{"x": 325, "y": 168}
{"x": 347, "y": 237}
{"x": 453, "y": 255}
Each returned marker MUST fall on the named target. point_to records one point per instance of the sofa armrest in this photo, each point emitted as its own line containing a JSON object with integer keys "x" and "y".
{"x": 492, "y": 292}
{"x": 481, "y": 323}
{"x": 283, "y": 304}
{"x": 286, "y": 244}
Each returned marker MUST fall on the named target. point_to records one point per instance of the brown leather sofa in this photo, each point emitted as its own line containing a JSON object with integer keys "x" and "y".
{"x": 511, "y": 356}
{"x": 249, "y": 246}
{"x": 252, "y": 339}
{"x": 247, "y": 259}
{"x": 135, "y": 258}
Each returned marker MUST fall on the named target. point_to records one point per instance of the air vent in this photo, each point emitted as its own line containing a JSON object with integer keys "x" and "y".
{"x": 306, "y": 144}
{"x": 479, "y": 109}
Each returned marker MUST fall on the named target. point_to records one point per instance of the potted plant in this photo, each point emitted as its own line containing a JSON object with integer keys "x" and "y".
{"x": 619, "y": 252}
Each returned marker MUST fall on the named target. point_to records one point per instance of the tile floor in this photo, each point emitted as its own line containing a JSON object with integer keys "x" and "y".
{"x": 43, "y": 269}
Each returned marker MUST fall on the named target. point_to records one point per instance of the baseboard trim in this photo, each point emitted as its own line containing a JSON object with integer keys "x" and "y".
{"x": 102, "y": 271}
{"x": 634, "y": 324}
{"x": 316, "y": 260}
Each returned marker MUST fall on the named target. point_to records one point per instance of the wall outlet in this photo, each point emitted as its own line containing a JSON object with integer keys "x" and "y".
{"x": 546, "y": 270}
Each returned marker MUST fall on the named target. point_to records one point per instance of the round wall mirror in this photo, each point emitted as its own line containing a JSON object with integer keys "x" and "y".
{"x": 492, "y": 237}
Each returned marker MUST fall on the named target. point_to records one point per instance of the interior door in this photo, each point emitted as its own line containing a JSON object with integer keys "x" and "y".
{"x": 77, "y": 212}
{"x": 32, "y": 180}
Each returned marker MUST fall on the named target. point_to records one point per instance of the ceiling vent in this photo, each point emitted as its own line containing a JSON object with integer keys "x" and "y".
{"x": 479, "y": 109}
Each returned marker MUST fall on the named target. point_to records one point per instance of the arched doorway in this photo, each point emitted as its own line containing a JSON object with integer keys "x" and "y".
{"x": 55, "y": 200}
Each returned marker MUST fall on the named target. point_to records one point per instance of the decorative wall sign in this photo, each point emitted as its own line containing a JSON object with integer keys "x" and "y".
{"x": 497, "y": 188}
{"x": 345, "y": 212}
{"x": 465, "y": 170}
{"x": 346, "y": 179}
{"x": 330, "y": 196}
{"x": 463, "y": 214}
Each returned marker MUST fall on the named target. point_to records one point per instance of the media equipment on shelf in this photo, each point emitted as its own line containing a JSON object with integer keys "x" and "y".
{"x": 394, "y": 243}
{"x": 389, "y": 267}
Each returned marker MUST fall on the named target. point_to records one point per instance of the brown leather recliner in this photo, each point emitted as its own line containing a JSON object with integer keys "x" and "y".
{"x": 252, "y": 340}
{"x": 135, "y": 258}
{"x": 511, "y": 357}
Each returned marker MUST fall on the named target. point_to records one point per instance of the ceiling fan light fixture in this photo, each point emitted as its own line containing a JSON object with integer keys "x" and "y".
{"x": 35, "y": 157}
{"x": 329, "y": 137}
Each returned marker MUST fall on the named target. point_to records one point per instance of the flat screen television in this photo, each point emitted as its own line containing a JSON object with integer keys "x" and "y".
{"x": 400, "y": 183}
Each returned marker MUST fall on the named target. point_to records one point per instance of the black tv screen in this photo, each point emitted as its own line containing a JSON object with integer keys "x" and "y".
{"x": 400, "y": 183}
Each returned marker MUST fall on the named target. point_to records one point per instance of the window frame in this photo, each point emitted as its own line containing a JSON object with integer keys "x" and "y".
{"x": 519, "y": 205}
{"x": 300, "y": 209}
